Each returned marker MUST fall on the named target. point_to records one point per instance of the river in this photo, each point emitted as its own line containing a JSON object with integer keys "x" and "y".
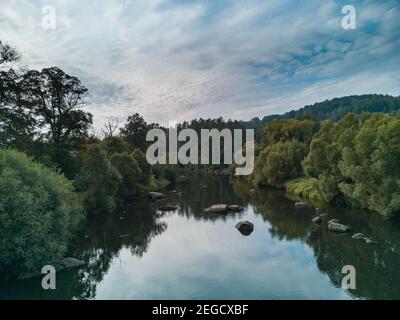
{"x": 140, "y": 253}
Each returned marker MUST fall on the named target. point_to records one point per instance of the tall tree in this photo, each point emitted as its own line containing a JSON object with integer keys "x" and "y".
{"x": 17, "y": 126}
{"x": 8, "y": 53}
{"x": 135, "y": 131}
{"x": 57, "y": 98}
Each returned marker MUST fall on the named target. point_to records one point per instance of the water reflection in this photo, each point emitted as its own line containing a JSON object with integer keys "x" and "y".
{"x": 140, "y": 253}
{"x": 376, "y": 265}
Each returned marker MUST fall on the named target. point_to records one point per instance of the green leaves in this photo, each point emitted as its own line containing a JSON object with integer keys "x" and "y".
{"x": 357, "y": 161}
{"x": 38, "y": 211}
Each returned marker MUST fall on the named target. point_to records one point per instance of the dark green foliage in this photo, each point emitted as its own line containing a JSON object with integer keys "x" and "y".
{"x": 358, "y": 160}
{"x": 38, "y": 211}
{"x": 99, "y": 180}
{"x": 336, "y": 109}
{"x": 135, "y": 130}
{"x": 280, "y": 162}
{"x": 8, "y": 53}
{"x": 287, "y": 145}
{"x": 17, "y": 123}
{"x": 129, "y": 169}
{"x": 116, "y": 145}
{"x": 305, "y": 189}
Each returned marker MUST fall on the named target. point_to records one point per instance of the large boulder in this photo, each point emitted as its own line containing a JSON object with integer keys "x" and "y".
{"x": 300, "y": 204}
{"x": 319, "y": 219}
{"x": 369, "y": 241}
{"x": 235, "y": 208}
{"x": 245, "y": 227}
{"x": 156, "y": 195}
{"x": 359, "y": 236}
{"x": 335, "y": 226}
{"x": 168, "y": 207}
{"x": 217, "y": 208}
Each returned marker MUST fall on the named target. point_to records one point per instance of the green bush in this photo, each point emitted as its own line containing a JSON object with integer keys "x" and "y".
{"x": 99, "y": 180}
{"x": 128, "y": 168}
{"x": 305, "y": 189}
{"x": 358, "y": 160}
{"x": 38, "y": 212}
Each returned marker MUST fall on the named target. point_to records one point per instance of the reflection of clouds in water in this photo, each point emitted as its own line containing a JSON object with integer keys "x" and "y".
{"x": 213, "y": 260}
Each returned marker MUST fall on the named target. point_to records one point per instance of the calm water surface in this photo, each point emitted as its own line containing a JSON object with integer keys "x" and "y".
{"x": 143, "y": 254}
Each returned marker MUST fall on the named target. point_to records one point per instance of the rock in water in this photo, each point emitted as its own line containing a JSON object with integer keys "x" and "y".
{"x": 300, "y": 205}
{"x": 72, "y": 262}
{"x": 369, "y": 241}
{"x": 359, "y": 236}
{"x": 217, "y": 208}
{"x": 317, "y": 220}
{"x": 245, "y": 227}
{"x": 338, "y": 227}
{"x": 156, "y": 195}
{"x": 168, "y": 207}
{"x": 235, "y": 208}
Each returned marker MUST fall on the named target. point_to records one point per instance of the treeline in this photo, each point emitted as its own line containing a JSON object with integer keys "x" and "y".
{"x": 352, "y": 162}
{"x": 54, "y": 169}
{"x": 335, "y": 109}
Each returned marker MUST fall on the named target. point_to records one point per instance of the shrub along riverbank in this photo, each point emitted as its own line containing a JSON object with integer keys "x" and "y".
{"x": 354, "y": 162}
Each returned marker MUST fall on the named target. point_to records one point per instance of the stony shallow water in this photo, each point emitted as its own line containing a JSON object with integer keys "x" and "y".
{"x": 142, "y": 254}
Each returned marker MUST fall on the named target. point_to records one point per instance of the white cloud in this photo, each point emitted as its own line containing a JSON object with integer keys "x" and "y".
{"x": 179, "y": 60}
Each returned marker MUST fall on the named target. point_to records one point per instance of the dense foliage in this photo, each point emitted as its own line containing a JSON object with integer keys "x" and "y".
{"x": 287, "y": 143}
{"x": 353, "y": 162}
{"x": 38, "y": 212}
{"x": 336, "y": 108}
{"x": 357, "y": 160}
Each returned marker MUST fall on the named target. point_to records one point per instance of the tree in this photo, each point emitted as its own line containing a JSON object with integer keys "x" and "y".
{"x": 99, "y": 180}
{"x": 356, "y": 161}
{"x": 129, "y": 169}
{"x": 55, "y": 99}
{"x": 325, "y": 154}
{"x": 110, "y": 127}
{"x": 8, "y": 54}
{"x": 280, "y": 162}
{"x": 38, "y": 212}
{"x": 17, "y": 124}
{"x": 287, "y": 145}
{"x": 135, "y": 131}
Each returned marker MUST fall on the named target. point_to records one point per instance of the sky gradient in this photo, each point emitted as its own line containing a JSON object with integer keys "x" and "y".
{"x": 179, "y": 60}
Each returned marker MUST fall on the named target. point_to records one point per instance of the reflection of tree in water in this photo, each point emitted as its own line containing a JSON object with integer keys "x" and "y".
{"x": 376, "y": 265}
{"x": 102, "y": 239}
{"x": 196, "y": 198}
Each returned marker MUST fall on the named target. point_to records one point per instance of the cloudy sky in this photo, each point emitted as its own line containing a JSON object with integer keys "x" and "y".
{"x": 183, "y": 59}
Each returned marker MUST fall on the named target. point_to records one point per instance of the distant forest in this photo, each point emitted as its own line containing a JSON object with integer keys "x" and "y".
{"x": 335, "y": 109}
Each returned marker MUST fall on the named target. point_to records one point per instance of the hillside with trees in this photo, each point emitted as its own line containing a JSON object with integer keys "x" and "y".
{"x": 335, "y": 109}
